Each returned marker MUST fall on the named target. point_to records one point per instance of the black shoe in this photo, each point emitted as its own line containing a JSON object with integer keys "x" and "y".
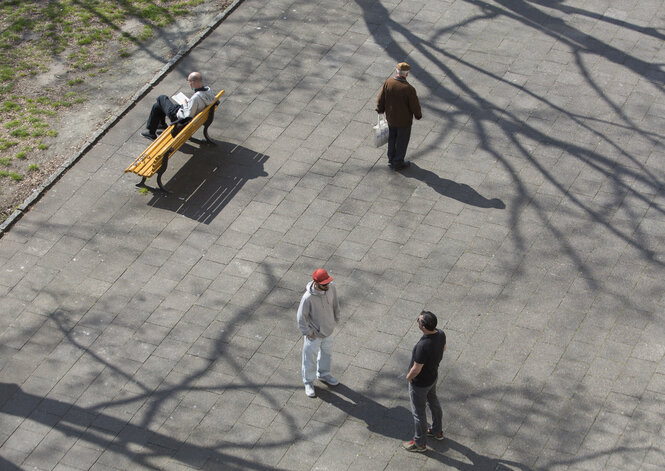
{"x": 149, "y": 135}
{"x": 404, "y": 165}
{"x": 162, "y": 126}
{"x": 438, "y": 436}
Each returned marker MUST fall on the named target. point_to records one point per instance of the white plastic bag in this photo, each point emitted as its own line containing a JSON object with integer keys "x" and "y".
{"x": 380, "y": 131}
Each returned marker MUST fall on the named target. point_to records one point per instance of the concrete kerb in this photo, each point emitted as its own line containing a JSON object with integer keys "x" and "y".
{"x": 38, "y": 193}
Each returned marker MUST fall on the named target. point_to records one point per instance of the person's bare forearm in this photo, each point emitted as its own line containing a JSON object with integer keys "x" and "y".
{"x": 414, "y": 371}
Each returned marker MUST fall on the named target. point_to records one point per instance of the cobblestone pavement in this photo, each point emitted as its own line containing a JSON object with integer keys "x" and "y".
{"x": 143, "y": 331}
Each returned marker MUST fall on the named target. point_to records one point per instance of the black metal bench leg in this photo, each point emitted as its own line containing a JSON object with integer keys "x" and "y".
{"x": 162, "y": 169}
{"x": 208, "y": 122}
{"x": 141, "y": 184}
{"x": 205, "y": 133}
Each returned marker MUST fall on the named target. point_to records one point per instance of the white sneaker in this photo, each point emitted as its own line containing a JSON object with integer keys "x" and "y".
{"x": 309, "y": 390}
{"x": 329, "y": 380}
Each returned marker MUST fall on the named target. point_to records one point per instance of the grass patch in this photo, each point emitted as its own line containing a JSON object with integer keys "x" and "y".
{"x": 42, "y": 146}
{"x": 76, "y": 81}
{"x": 13, "y": 175}
{"x": 144, "y": 191}
{"x": 146, "y": 33}
{"x": 7, "y": 73}
{"x": 6, "y": 161}
{"x": 20, "y": 132}
{"x": 9, "y": 106}
{"x": 33, "y": 167}
{"x": 6, "y": 144}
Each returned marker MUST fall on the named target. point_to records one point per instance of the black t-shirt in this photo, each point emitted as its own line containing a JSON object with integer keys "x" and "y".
{"x": 428, "y": 352}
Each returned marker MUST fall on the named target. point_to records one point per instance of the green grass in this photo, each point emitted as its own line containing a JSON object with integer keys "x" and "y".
{"x": 8, "y": 106}
{"x": 147, "y": 33}
{"x": 6, "y": 144}
{"x": 32, "y": 32}
{"x": 13, "y": 175}
{"x": 7, "y": 73}
{"x": 76, "y": 81}
{"x": 144, "y": 191}
{"x": 20, "y": 132}
{"x": 6, "y": 161}
{"x": 33, "y": 167}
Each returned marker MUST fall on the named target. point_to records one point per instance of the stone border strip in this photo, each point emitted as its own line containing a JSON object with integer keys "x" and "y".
{"x": 90, "y": 142}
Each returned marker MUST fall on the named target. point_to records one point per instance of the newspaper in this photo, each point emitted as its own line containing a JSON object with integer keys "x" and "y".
{"x": 180, "y": 98}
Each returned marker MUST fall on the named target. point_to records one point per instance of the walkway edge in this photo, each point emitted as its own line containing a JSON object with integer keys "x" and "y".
{"x": 97, "y": 135}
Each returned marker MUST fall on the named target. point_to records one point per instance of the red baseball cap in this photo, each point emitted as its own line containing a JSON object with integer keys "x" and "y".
{"x": 321, "y": 276}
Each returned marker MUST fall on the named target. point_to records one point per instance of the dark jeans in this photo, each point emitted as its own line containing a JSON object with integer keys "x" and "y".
{"x": 420, "y": 397}
{"x": 398, "y": 140}
{"x": 163, "y": 107}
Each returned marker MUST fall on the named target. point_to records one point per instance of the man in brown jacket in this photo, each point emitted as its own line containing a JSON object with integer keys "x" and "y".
{"x": 398, "y": 99}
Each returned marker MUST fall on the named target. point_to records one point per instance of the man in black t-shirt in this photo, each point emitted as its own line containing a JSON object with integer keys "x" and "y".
{"x": 422, "y": 375}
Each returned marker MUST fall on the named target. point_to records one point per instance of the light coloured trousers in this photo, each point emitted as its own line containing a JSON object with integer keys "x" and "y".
{"x": 316, "y": 358}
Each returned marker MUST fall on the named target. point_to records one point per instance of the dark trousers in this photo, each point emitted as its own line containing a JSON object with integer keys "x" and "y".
{"x": 421, "y": 397}
{"x": 398, "y": 140}
{"x": 163, "y": 107}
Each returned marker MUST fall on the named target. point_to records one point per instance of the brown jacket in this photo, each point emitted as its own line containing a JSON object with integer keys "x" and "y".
{"x": 398, "y": 99}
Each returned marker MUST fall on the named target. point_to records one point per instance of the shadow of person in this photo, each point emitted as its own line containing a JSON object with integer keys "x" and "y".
{"x": 465, "y": 459}
{"x": 397, "y": 423}
{"x": 7, "y": 466}
{"x": 209, "y": 179}
{"x": 393, "y": 422}
{"x": 458, "y": 191}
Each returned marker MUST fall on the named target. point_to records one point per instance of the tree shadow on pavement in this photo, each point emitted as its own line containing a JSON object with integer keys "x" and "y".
{"x": 209, "y": 179}
{"x": 457, "y": 191}
{"x": 572, "y": 150}
{"x": 133, "y": 441}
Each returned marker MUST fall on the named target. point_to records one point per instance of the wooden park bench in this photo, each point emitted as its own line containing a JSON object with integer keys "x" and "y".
{"x": 155, "y": 159}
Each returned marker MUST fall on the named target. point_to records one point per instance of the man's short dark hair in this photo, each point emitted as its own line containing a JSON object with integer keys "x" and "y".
{"x": 428, "y": 320}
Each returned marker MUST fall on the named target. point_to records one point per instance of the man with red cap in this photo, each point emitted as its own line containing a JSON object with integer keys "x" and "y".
{"x": 318, "y": 314}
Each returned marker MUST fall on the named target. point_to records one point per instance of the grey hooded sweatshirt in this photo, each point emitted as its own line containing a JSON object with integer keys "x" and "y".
{"x": 202, "y": 98}
{"x": 318, "y": 312}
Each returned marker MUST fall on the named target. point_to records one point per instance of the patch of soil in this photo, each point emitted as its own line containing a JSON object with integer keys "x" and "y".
{"x": 105, "y": 95}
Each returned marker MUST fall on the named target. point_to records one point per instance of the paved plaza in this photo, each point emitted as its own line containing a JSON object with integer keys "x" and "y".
{"x": 153, "y": 331}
